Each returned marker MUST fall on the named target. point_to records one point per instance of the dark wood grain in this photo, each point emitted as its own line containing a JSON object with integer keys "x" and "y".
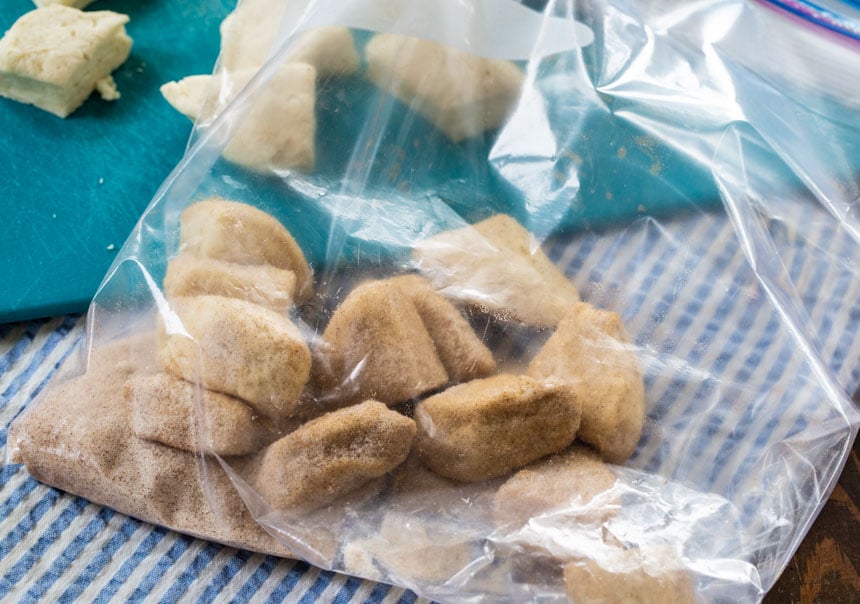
{"x": 826, "y": 567}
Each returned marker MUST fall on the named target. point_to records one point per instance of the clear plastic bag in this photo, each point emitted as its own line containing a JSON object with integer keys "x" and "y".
{"x": 676, "y": 166}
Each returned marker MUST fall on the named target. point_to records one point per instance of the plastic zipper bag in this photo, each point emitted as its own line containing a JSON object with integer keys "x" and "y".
{"x": 486, "y": 300}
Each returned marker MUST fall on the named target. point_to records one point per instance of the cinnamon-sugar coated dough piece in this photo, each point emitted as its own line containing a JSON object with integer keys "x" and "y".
{"x": 331, "y": 456}
{"x": 486, "y": 428}
{"x": 591, "y": 352}
{"x": 78, "y": 438}
{"x": 461, "y": 93}
{"x": 652, "y": 575}
{"x": 237, "y": 348}
{"x": 376, "y": 346}
{"x": 496, "y": 266}
{"x": 463, "y": 355}
{"x": 262, "y": 284}
{"x": 572, "y": 479}
{"x": 166, "y": 409}
{"x": 237, "y": 232}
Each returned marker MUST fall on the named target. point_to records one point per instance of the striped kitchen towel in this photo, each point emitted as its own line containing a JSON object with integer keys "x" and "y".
{"x": 730, "y": 378}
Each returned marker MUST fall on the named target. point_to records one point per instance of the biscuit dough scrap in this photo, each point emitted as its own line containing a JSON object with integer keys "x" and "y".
{"x": 331, "y": 456}
{"x": 376, "y": 346}
{"x": 54, "y": 57}
{"x": 262, "y": 284}
{"x": 570, "y": 479}
{"x": 590, "y": 351}
{"x": 486, "y": 428}
{"x": 463, "y": 355}
{"x": 461, "y": 93}
{"x": 496, "y": 266}
{"x": 164, "y": 409}
{"x": 239, "y": 233}
{"x": 237, "y": 348}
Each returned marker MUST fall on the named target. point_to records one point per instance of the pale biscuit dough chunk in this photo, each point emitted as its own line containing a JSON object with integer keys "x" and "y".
{"x": 238, "y": 348}
{"x": 376, "y": 346}
{"x": 463, "y": 355}
{"x": 242, "y": 234}
{"x": 574, "y": 479}
{"x": 461, "y": 93}
{"x": 73, "y": 3}
{"x": 495, "y": 265}
{"x": 642, "y": 576}
{"x": 54, "y": 57}
{"x": 249, "y": 33}
{"x": 166, "y": 409}
{"x": 486, "y": 428}
{"x": 590, "y": 351}
{"x": 331, "y": 456}
{"x": 275, "y": 132}
{"x": 265, "y": 285}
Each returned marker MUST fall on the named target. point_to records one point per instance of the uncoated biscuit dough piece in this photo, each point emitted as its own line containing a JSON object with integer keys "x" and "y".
{"x": 275, "y": 131}
{"x": 590, "y": 350}
{"x": 249, "y": 33}
{"x": 73, "y": 3}
{"x": 331, "y": 456}
{"x": 238, "y": 348}
{"x": 240, "y": 233}
{"x": 644, "y": 576}
{"x": 464, "y": 356}
{"x": 164, "y": 409}
{"x": 486, "y": 428}
{"x": 461, "y": 93}
{"x": 495, "y": 265}
{"x": 376, "y": 346}
{"x": 265, "y": 285}
{"x": 54, "y": 57}
{"x": 571, "y": 479}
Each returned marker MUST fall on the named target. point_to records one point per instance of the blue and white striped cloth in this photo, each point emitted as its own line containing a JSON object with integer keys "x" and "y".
{"x": 726, "y": 382}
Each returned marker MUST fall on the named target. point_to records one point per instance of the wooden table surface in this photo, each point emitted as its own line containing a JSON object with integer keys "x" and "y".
{"x": 825, "y": 567}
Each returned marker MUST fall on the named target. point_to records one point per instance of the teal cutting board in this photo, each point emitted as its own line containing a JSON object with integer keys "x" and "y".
{"x": 71, "y": 190}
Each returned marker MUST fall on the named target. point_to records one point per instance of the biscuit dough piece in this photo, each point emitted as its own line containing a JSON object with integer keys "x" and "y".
{"x": 647, "y": 576}
{"x": 590, "y": 351}
{"x": 164, "y": 409}
{"x": 496, "y": 266}
{"x": 571, "y": 479}
{"x": 72, "y": 3}
{"x": 249, "y": 34}
{"x": 464, "y": 356}
{"x": 188, "y": 95}
{"x": 461, "y": 93}
{"x": 54, "y": 57}
{"x": 414, "y": 548}
{"x": 277, "y": 129}
{"x": 237, "y": 348}
{"x": 265, "y": 285}
{"x": 331, "y": 456}
{"x": 486, "y": 428}
{"x": 376, "y": 346}
{"x": 240, "y": 233}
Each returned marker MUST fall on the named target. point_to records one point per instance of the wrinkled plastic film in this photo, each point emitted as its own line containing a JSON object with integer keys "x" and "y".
{"x": 674, "y": 178}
